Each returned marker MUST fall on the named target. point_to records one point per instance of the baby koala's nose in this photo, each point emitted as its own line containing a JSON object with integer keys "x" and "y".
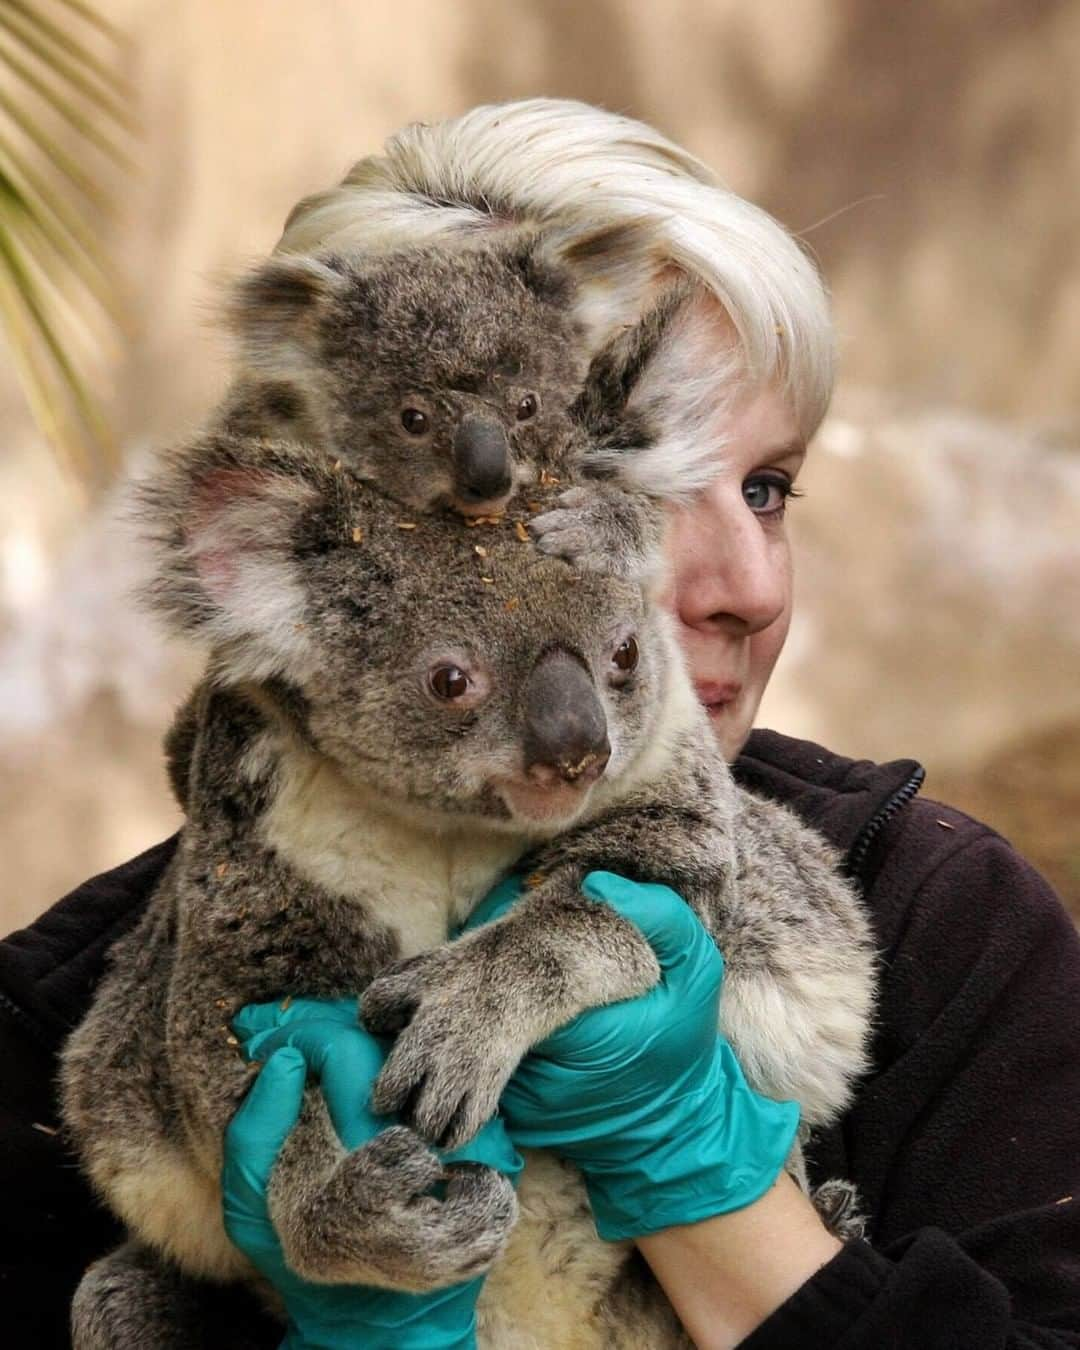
{"x": 481, "y": 460}
{"x": 565, "y": 728}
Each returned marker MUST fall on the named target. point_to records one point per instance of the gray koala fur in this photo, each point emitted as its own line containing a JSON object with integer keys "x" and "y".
{"x": 342, "y": 818}
{"x": 345, "y": 353}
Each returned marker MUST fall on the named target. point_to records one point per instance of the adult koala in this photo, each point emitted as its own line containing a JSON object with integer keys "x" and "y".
{"x": 402, "y": 706}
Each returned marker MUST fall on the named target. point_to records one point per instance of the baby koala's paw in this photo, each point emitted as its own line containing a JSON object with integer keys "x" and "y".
{"x": 375, "y": 1220}
{"x": 454, "y": 1051}
{"x": 571, "y": 532}
{"x": 601, "y": 528}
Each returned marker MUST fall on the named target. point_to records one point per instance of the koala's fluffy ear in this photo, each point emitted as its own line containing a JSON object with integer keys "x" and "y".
{"x": 222, "y": 516}
{"x": 655, "y": 396}
{"x": 623, "y": 362}
{"x": 617, "y": 269}
{"x": 273, "y": 310}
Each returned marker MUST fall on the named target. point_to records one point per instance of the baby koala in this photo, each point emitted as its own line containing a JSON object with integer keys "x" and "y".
{"x": 401, "y": 706}
{"x": 455, "y": 376}
{"x": 444, "y": 376}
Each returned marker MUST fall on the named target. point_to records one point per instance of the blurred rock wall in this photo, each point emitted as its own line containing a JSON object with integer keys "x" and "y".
{"x": 929, "y": 153}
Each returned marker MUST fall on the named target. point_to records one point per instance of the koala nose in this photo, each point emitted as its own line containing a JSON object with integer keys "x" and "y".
{"x": 481, "y": 460}
{"x": 565, "y": 728}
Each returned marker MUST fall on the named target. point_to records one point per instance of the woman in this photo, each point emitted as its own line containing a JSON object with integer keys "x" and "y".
{"x": 964, "y": 1141}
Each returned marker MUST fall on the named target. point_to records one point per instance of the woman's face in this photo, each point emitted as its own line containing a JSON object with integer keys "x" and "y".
{"x": 730, "y": 589}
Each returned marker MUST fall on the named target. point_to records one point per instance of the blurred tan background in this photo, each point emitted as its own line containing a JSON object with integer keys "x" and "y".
{"x": 929, "y": 154}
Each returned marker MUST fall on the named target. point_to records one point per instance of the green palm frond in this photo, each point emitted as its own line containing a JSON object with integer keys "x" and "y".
{"x": 56, "y": 90}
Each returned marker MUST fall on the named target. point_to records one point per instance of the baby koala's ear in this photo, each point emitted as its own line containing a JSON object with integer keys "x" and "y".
{"x": 616, "y": 269}
{"x": 221, "y": 516}
{"x": 273, "y": 310}
{"x": 629, "y": 361}
{"x": 653, "y": 402}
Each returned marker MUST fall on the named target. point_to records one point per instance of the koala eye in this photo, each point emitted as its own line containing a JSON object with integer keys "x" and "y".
{"x": 448, "y": 682}
{"x": 625, "y": 659}
{"x": 528, "y": 407}
{"x": 414, "y": 421}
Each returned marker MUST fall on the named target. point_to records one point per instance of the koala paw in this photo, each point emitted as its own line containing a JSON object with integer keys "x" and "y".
{"x": 599, "y": 530}
{"x": 374, "y": 1220}
{"x": 566, "y": 532}
{"x": 449, "y": 1063}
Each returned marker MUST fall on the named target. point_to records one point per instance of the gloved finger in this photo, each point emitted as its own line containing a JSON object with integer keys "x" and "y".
{"x": 346, "y": 1060}
{"x": 256, "y": 1017}
{"x": 671, "y": 927}
{"x": 260, "y": 1126}
{"x": 492, "y": 1147}
{"x": 320, "y": 1041}
{"x": 495, "y": 904}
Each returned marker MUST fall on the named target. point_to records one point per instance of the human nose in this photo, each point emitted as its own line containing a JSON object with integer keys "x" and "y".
{"x": 728, "y": 572}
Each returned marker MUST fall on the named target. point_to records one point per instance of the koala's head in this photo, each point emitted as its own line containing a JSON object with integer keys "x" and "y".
{"x": 441, "y": 376}
{"x": 450, "y": 668}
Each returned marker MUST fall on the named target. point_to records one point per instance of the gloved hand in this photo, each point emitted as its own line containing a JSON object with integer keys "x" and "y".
{"x": 347, "y": 1060}
{"x": 645, "y": 1096}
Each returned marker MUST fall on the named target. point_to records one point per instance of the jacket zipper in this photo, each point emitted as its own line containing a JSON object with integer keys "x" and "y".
{"x": 874, "y": 826}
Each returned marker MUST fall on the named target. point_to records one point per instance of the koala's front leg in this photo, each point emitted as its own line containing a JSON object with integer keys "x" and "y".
{"x": 602, "y": 527}
{"x": 369, "y": 1216}
{"x": 467, "y": 1012}
{"x": 360, "y": 1216}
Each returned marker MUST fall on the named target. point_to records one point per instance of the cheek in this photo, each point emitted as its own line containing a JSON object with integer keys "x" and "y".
{"x": 682, "y": 543}
{"x": 421, "y": 478}
{"x": 767, "y": 643}
{"x": 766, "y": 646}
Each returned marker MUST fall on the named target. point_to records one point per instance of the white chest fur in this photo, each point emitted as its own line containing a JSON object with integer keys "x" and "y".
{"x": 550, "y": 1288}
{"x": 418, "y": 876}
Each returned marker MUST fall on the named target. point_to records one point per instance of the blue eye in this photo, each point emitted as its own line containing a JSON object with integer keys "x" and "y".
{"x": 767, "y": 494}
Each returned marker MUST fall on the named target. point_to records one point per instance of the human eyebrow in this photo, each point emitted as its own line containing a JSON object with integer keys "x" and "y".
{"x": 789, "y": 450}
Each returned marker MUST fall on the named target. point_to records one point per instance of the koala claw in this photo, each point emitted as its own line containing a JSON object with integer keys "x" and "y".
{"x": 374, "y": 1220}
{"x": 448, "y": 1066}
{"x": 837, "y": 1202}
{"x": 485, "y": 1206}
{"x": 569, "y": 531}
{"x": 391, "y": 999}
{"x": 598, "y": 530}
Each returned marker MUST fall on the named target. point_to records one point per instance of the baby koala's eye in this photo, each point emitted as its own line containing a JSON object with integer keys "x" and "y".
{"x": 528, "y": 407}
{"x": 625, "y": 658}
{"x": 414, "y": 421}
{"x": 448, "y": 682}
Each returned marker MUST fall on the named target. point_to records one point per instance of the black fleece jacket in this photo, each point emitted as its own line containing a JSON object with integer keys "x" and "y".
{"x": 964, "y": 1140}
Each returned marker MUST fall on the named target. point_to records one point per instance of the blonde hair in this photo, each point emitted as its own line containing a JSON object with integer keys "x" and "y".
{"x": 555, "y": 161}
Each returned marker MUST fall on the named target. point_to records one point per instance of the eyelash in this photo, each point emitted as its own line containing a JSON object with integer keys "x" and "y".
{"x": 787, "y": 489}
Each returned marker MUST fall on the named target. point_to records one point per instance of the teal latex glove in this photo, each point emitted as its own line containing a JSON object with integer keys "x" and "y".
{"x": 347, "y": 1060}
{"x": 645, "y": 1096}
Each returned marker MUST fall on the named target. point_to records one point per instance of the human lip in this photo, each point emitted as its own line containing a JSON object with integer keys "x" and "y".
{"x": 714, "y": 695}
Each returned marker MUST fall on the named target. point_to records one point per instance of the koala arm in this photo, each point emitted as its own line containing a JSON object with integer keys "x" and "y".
{"x": 643, "y": 414}
{"x": 467, "y": 1012}
{"x": 798, "y": 992}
